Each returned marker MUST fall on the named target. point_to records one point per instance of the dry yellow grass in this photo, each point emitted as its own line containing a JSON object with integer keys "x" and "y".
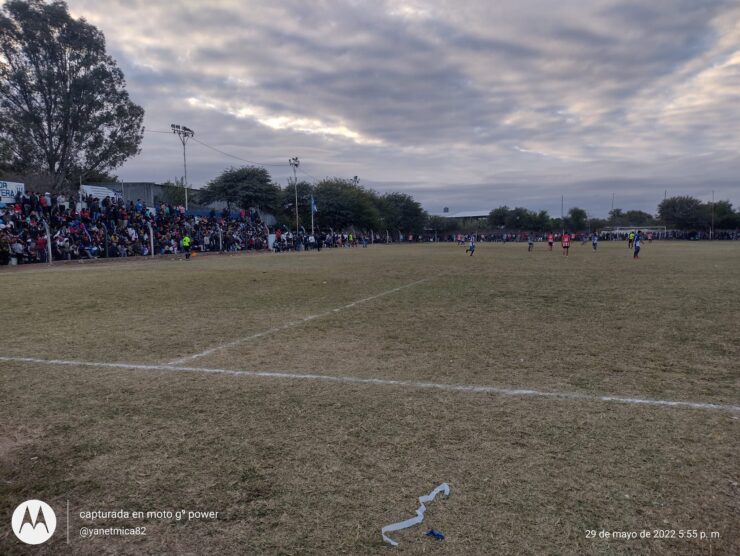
{"x": 296, "y": 466}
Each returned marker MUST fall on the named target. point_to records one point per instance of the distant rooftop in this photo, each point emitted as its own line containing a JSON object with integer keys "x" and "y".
{"x": 465, "y": 214}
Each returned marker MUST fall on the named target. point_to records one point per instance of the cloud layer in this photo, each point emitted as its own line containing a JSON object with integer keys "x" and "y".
{"x": 467, "y": 105}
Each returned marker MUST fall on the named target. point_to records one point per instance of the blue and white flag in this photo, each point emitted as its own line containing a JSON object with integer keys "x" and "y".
{"x": 313, "y": 205}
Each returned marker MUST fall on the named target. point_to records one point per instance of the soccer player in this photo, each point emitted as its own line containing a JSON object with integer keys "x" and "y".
{"x": 186, "y": 245}
{"x": 565, "y": 241}
{"x": 530, "y": 242}
{"x": 637, "y": 246}
{"x": 630, "y": 240}
{"x": 595, "y": 240}
{"x": 550, "y": 240}
{"x": 471, "y": 247}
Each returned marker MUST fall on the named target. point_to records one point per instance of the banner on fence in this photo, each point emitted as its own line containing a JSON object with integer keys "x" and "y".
{"x": 9, "y": 189}
{"x": 101, "y": 192}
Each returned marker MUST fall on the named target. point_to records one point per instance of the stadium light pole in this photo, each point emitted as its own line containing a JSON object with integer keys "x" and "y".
{"x": 184, "y": 133}
{"x": 711, "y": 230}
{"x": 294, "y": 163}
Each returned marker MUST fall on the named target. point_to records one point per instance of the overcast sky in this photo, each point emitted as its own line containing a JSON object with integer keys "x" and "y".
{"x": 462, "y": 103}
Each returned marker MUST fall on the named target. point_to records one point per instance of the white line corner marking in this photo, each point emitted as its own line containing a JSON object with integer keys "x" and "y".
{"x": 385, "y": 382}
{"x": 291, "y": 324}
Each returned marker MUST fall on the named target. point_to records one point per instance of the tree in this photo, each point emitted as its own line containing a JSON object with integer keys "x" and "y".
{"x": 63, "y": 99}
{"x": 577, "y": 219}
{"x": 440, "y": 224}
{"x": 259, "y": 191}
{"x": 542, "y": 221}
{"x": 598, "y": 224}
{"x": 724, "y": 217}
{"x": 498, "y": 216}
{"x": 639, "y": 218}
{"x": 400, "y": 211}
{"x": 247, "y": 187}
{"x": 617, "y": 218}
{"x": 342, "y": 204}
{"x": 6, "y": 155}
{"x": 172, "y": 193}
{"x": 683, "y": 213}
{"x": 520, "y": 218}
{"x": 286, "y": 203}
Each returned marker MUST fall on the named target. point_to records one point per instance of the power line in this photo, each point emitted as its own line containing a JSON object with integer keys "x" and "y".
{"x": 300, "y": 169}
{"x": 237, "y": 157}
{"x": 220, "y": 151}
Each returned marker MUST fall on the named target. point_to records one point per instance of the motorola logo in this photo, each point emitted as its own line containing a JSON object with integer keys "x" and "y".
{"x": 34, "y": 522}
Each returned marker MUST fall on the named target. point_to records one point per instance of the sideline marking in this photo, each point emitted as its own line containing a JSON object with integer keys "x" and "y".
{"x": 291, "y": 324}
{"x": 386, "y": 382}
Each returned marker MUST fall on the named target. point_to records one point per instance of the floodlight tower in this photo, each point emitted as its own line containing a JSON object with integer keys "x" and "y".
{"x": 294, "y": 163}
{"x": 184, "y": 133}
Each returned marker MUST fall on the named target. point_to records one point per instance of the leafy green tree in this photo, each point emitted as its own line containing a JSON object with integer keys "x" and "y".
{"x": 227, "y": 187}
{"x": 172, "y": 193}
{"x": 520, "y": 218}
{"x": 63, "y": 100}
{"x": 286, "y": 210}
{"x": 617, "y": 218}
{"x": 246, "y": 187}
{"x": 440, "y": 224}
{"x": 683, "y": 213}
{"x": 577, "y": 220}
{"x": 638, "y": 218}
{"x": 724, "y": 217}
{"x": 498, "y": 217}
{"x": 598, "y": 224}
{"x": 342, "y": 204}
{"x": 542, "y": 221}
{"x": 6, "y": 155}
{"x": 400, "y": 211}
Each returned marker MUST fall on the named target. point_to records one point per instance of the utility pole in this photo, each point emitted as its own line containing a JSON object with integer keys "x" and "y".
{"x": 184, "y": 133}
{"x": 612, "y": 201}
{"x": 294, "y": 163}
{"x": 711, "y": 230}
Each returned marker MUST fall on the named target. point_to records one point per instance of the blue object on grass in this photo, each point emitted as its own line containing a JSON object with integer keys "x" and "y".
{"x": 436, "y": 534}
{"x": 443, "y": 488}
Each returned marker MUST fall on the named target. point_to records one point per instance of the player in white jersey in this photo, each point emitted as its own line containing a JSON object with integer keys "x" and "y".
{"x": 471, "y": 247}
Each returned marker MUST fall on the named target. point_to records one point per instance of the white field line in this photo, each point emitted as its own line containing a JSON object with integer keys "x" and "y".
{"x": 291, "y": 324}
{"x": 572, "y": 396}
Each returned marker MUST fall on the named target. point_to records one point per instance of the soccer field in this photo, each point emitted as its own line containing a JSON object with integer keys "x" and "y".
{"x": 309, "y": 399}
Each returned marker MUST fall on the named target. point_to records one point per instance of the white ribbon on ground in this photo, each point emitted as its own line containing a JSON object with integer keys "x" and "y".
{"x": 444, "y": 487}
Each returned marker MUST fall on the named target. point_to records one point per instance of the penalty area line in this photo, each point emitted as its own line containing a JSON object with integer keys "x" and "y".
{"x": 515, "y": 392}
{"x": 290, "y": 324}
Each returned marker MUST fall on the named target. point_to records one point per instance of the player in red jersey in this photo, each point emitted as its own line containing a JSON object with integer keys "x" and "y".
{"x": 565, "y": 241}
{"x": 550, "y": 240}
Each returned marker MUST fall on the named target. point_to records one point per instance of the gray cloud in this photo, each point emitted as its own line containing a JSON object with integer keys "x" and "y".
{"x": 462, "y": 105}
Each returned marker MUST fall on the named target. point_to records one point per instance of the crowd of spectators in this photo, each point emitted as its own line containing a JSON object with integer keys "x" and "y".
{"x": 89, "y": 228}
{"x": 110, "y": 227}
{"x": 285, "y": 240}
